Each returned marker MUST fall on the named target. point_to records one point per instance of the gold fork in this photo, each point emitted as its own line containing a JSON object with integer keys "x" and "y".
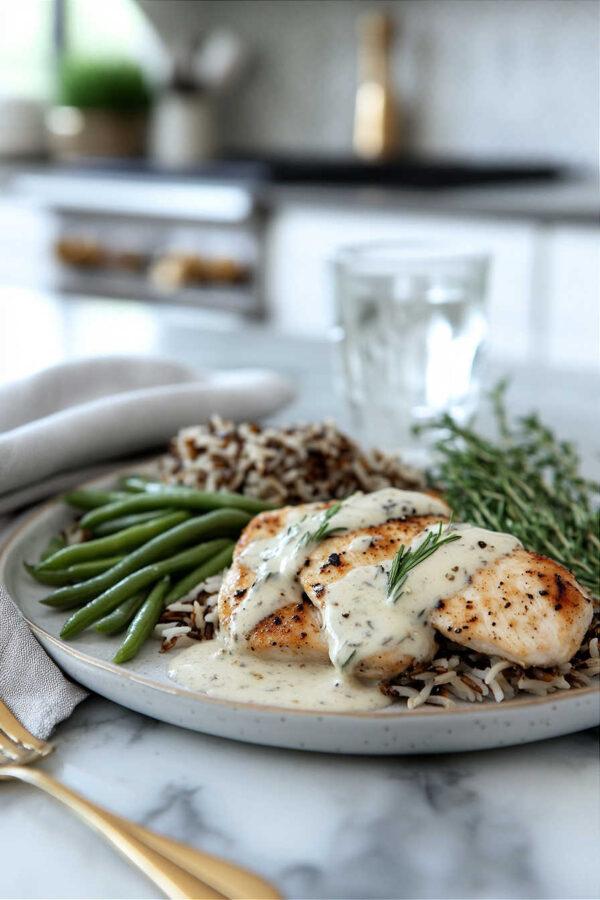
{"x": 178, "y": 870}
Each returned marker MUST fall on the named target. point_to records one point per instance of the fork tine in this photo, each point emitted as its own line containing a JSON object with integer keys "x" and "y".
{"x": 18, "y": 734}
{"x": 11, "y": 752}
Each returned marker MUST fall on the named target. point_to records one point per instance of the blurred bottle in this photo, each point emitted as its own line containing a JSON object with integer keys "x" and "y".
{"x": 377, "y": 119}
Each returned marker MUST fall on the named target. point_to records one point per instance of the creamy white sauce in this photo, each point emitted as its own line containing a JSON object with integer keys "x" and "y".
{"x": 277, "y": 561}
{"x": 362, "y": 543}
{"x": 212, "y": 669}
{"x": 360, "y": 620}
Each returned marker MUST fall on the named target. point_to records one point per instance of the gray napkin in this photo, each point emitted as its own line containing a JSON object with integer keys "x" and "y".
{"x": 95, "y": 410}
{"x": 63, "y": 419}
{"x": 31, "y": 685}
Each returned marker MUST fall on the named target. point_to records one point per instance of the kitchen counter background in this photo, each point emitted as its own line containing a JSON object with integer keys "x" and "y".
{"x": 544, "y": 240}
{"x": 572, "y": 200}
{"x": 519, "y": 822}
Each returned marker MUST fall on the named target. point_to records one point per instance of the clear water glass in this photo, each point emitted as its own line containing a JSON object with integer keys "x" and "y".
{"x": 410, "y": 328}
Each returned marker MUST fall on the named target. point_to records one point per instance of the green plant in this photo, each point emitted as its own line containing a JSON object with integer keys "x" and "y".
{"x": 107, "y": 84}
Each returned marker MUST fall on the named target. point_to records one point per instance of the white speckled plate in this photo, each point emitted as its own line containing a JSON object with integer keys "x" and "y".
{"x": 144, "y": 686}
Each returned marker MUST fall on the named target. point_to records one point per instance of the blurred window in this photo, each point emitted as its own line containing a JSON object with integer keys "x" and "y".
{"x": 110, "y": 28}
{"x": 31, "y": 29}
{"x": 26, "y": 47}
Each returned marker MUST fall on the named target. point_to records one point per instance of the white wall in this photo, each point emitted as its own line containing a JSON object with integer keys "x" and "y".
{"x": 504, "y": 78}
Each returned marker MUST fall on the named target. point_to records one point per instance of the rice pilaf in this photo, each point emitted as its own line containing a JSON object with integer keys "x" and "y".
{"x": 293, "y": 464}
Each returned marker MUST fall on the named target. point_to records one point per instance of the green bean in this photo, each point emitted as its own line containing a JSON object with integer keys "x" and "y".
{"x": 120, "y": 617}
{"x": 178, "y": 497}
{"x": 114, "y": 543}
{"x": 135, "y": 484}
{"x": 90, "y": 499}
{"x": 143, "y": 624}
{"x": 211, "y": 499}
{"x": 72, "y": 574}
{"x": 214, "y": 524}
{"x": 55, "y": 543}
{"x": 189, "y": 582}
{"x": 131, "y": 584}
{"x": 114, "y": 525}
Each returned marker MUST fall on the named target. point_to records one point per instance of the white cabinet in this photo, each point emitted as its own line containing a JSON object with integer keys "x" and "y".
{"x": 570, "y": 313}
{"x": 544, "y": 284}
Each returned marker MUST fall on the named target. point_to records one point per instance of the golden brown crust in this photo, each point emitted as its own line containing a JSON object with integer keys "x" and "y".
{"x": 526, "y": 608}
{"x": 331, "y": 559}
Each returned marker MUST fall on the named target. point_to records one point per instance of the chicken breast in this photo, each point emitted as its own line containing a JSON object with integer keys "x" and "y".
{"x": 522, "y": 606}
{"x": 331, "y": 560}
{"x": 526, "y": 608}
{"x": 296, "y": 628}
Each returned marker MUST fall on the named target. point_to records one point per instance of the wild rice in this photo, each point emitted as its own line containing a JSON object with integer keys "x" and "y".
{"x": 296, "y": 464}
{"x": 194, "y": 617}
{"x": 459, "y": 674}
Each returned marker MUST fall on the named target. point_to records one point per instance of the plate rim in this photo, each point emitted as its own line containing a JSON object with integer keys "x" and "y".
{"x": 16, "y": 533}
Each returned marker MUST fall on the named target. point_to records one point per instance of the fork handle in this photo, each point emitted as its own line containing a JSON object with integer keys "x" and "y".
{"x": 174, "y": 881}
{"x": 231, "y": 880}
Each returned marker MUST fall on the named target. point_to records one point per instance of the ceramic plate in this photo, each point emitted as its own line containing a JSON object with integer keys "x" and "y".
{"x": 144, "y": 686}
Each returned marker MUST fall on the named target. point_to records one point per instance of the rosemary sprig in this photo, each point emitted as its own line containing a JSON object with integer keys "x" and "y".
{"x": 323, "y": 530}
{"x": 348, "y": 659}
{"x": 406, "y": 559}
{"x": 525, "y": 482}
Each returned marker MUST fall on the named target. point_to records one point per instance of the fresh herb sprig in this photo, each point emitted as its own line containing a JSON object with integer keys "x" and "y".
{"x": 323, "y": 530}
{"x": 525, "y": 482}
{"x": 406, "y": 559}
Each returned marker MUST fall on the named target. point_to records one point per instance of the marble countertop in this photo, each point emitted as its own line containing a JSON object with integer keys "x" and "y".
{"x": 517, "y": 822}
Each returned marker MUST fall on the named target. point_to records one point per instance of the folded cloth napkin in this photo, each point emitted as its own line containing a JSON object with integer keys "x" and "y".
{"x": 94, "y": 410}
{"x": 33, "y": 688}
{"x": 55, "y": 423}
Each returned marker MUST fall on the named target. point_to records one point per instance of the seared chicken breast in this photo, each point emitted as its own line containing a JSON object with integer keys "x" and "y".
{"x": 526, "y": 608}
{"x": 296, "y": 627}
{"x": 523, "y": 606}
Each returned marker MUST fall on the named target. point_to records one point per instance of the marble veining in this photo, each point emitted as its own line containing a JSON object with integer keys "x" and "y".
{"x": 515, "y": 822}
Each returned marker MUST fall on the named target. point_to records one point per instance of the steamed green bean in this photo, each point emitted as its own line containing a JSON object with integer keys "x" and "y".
{"x": 143, "y": 624}
{"x": 55, "y": 543}
{"x": 114, "y": 525}
{"x": 90, "y": 499}
{"x": 190, "y": 581}
{"x": 120, "y": 617}
{"x": 114, "y": 544}
{"x": 177, "y": 497}
{"x": 214, "y": 524}
{"x": 134, "y": 582}
{"x": 72, "y": 574}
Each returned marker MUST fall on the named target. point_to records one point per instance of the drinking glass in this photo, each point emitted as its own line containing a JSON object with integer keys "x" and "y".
{"x": 410, "y": 326}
